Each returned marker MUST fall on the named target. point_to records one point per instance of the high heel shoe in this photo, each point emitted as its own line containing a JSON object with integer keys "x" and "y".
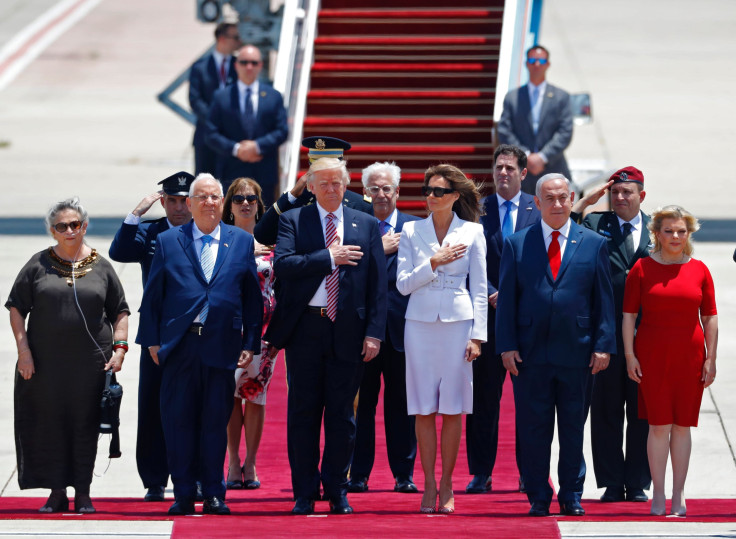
{"x": 235, "y": 484}
{"x": 249, "y": 484}
{"x": 429, "y": 509}
{"x": 448, "y": 506}
{"x": 57, "y": 502}
{"x": 82, "y": 504}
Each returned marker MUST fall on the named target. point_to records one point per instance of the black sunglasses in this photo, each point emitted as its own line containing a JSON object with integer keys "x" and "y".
{"x": 74, "y": 225}
{"x": 239, "y": 199}
{"x": 438, "y": 192}
{"x": 246, "y": 62}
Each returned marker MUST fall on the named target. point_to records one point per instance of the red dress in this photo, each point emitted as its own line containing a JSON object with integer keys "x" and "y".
{"x": 669, "y": 342}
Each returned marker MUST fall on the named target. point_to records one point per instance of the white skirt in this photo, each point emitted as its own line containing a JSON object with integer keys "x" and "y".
{"x": 438, "y": 379}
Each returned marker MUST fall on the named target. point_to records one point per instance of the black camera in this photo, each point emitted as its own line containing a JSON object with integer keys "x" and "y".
{"x": 112, "y": 396}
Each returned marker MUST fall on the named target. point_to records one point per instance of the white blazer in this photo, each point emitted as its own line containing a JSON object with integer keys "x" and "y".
{"x": 455, "y": 291}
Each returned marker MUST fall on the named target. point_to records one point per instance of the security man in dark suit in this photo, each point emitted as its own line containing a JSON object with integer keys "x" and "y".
{"x": 330, "y": 317}
{"x": 267, "y": 227}
{"x": 135, "y": 241}
{"x": 381, "y": 183}
{"x": 507, "y": 211}
{"x": 622, "y": 469}
{"x": 208, "y": 74}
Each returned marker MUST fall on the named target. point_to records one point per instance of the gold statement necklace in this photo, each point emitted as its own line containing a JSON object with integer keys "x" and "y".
{"x": 73, "y": 270}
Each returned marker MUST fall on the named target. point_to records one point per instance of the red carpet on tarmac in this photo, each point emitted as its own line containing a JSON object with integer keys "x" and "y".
{"x": 266, "y": 511}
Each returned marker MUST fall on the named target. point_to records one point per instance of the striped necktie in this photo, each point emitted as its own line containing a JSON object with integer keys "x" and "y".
{"x": 332, "y": 281}
{"x": 208, "y": 264}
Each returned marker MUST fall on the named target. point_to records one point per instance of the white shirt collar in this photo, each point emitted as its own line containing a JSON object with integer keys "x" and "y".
{"x": 515, "y": 199}
{"x": 323, "y": 213}
{"x": 197, "y": 233}
{"x": 542, "y": 87}
{"x": 242, "y": 87}
{"x": 635, "y": 222}
{"x": 564, "y": 230}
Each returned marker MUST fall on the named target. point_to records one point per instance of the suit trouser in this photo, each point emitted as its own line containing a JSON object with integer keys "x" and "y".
{"x": 319, "y": 382}
{"x": 481, "y": 427}
{"x": 205, "y": 159}
{"x": 401, "y": 440}
{"x": 150, "y": 448}
{"x": 540, "y": 391}
{"x": 615, "y": 395}
{"x": 196, "y": 403}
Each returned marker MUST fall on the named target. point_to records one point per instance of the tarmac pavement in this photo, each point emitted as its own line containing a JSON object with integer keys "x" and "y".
{"x": 82, "y": 118}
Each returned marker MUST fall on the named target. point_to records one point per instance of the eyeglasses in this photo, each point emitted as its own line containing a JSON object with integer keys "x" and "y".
{"x": 205, "y": 198}
{"x": 74, "y": 225}
{"x": 438, "y": 192}
{"x": 386, "y": 190}
{"x": 248, "y": 62}
{"x": 540, "y": 61}
{"x": 239, "y": 199}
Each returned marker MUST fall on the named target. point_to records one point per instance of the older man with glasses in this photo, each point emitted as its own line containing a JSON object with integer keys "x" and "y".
{"x": 381, "y": 183}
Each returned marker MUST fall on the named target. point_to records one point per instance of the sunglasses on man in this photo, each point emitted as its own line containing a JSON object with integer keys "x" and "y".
{"x": 248, "y": 62}
{"x": 540, "y": 61}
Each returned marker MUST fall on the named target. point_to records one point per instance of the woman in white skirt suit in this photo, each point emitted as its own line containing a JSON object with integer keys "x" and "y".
{"x": 442, "y": 264}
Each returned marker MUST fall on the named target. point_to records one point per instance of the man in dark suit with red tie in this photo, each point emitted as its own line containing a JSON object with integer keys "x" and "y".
{"x": 507, "y": 211}
{"x": 330, "y": 317}
{"x": 555, "y": 326}
{"x": 246, "y": 126}
{"x": 208, "y": 74}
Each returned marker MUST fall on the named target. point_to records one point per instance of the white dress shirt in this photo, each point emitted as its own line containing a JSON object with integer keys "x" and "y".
{"x": 320, "y": 297}
{"x": 562, "y": 238}
{"x": 635, "y": 228}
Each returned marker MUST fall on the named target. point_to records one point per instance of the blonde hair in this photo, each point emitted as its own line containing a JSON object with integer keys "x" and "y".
{"x": 676, "y": 213}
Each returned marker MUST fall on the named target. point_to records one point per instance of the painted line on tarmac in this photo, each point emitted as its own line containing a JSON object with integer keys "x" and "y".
{"x": 30, "y": 42}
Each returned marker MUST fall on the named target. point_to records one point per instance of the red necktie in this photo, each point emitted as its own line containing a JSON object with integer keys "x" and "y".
{"x": 553, "y": 253}
{"x": 332, "y": 281}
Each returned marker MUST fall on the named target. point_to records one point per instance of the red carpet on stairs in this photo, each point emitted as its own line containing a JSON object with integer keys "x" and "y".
{"x": 266, "y": 511}
{"x": 407, "y": 81}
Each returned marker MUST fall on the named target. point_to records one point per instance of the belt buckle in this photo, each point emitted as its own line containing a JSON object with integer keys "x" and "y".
{"x": 323, "y": 312}
{"x": 197, "y": 330}
{"x": 438, "y": 282}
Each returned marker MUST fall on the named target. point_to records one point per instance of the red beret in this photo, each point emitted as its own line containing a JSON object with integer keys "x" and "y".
{"x": 628, "y": 174}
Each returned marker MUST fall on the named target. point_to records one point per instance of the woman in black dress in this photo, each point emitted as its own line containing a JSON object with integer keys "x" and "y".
{"x": 71, "y": 297}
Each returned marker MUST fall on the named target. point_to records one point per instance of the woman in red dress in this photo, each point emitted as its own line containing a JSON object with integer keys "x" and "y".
{"x": 673, "y": 356}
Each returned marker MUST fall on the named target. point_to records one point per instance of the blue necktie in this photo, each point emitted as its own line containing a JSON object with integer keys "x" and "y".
{"x": 384, "y": 227}
{"x": 249, "y": 116}
{"x": 208, "y": 264}
{"x": 507, "y": 227}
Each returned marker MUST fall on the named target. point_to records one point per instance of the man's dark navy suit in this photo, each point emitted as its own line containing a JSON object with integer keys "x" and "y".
{"x": 401, "y": 441}
{"x": 555, "y": 325}
{"x": 489, "y": 374}
{"x": 614, "y": 394}
{"x": 323, "y": 359}
{"x": 198, "y": 382}
{"x": 204, "y": 81}
{"x": 226, "y": 126}
{"x": 137, "y": 243}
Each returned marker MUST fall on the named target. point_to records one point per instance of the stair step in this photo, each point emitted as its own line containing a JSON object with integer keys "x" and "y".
{"x": 377, "y": 4}
{"x": 401, "y": 41}
{"x": 400, "y": 106}
{"x": 376, "y": 68}
{"x": 419, "y": 27}
{"x": 406, "y": 80}
{"x": 400, "y": 13}
{"x": 397, "y": 134}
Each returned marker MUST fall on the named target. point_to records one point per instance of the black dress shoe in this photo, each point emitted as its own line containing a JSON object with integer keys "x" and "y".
{"x": 405, "y": 485}
{"x": 303, "y": 506}
{"x": 182, "y": 507}
{"x": 154, "y": 494}
{"x": 215, "y": 506}
{"x": 539, "y": 509}
{"x": 613, "y": 494}
{"x": 480, "y": 484}
{"x": 572, "y": 509}
{"x": 199, "y": 497}
{"x": 358, "y": 484}
{"x": 82, "y": 504}
{"x": 636, "y": 495}
{"x": 522, "y": 486}
{"x": 340, "y": 506}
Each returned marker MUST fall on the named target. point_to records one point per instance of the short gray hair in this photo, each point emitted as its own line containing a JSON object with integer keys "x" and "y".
{"x": 548, "y": 178}
{"x": 202, "y": 177}
{"x": 392, "y": 169}
{"x": 68, "y": 204}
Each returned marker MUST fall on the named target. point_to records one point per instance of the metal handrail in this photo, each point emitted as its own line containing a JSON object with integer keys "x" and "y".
{"x": 293, "y": 68}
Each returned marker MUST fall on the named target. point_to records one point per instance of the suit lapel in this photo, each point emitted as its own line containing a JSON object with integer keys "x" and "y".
{"x": 574, "y": 240}
{"x": 425, "y": 231}
{"x": 525, "y": 211}
{"x": 641, "y": 251}
{"x": 187, "y": 242}
{"x": 351, "y": 232}
{"x": 223, "y": 250}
